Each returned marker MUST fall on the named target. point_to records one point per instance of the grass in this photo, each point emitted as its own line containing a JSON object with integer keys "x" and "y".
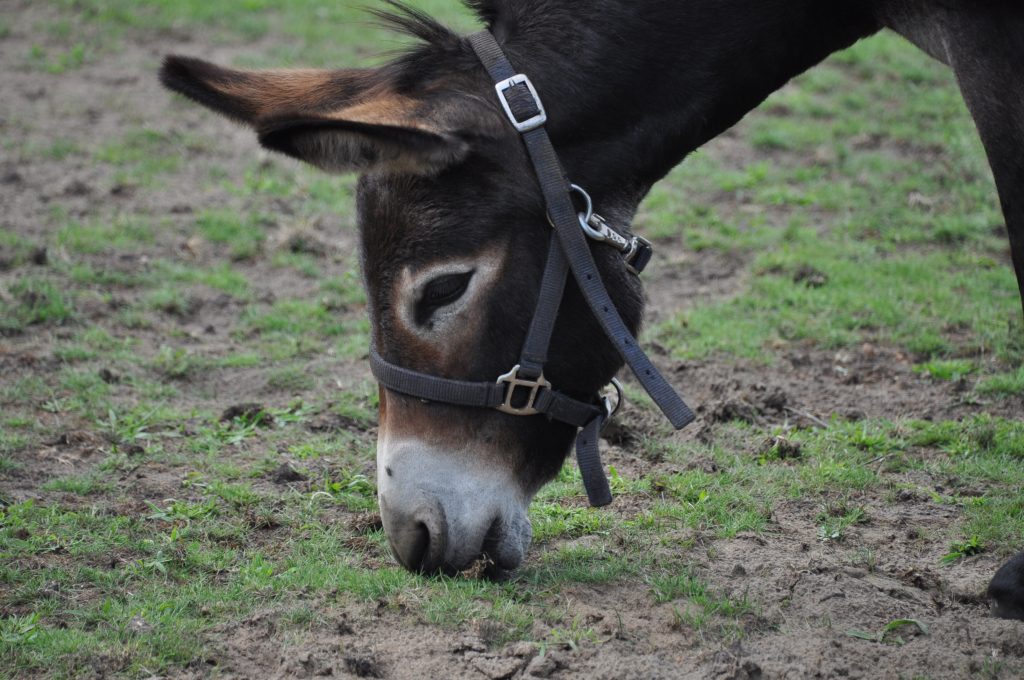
{"x": 1003, "y": 384}
{"x": 32, "y": 301}
{"x": 847, "y": 225}
{"x": 244, "y": 235}
{"x": 868, "y": 286}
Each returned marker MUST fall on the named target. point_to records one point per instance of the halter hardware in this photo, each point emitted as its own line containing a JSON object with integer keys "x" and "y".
{"x": 636, "y": 250}
{"x": 568, "y": 252}
{"x": 531, "y": 123}
{"x": 513, "y": 381}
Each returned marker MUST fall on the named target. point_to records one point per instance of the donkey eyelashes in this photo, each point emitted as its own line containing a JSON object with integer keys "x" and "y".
{"x": 441, "y": 292}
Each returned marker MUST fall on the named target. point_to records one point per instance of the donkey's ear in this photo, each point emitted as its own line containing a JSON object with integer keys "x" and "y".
{"x": 336, "y": 120}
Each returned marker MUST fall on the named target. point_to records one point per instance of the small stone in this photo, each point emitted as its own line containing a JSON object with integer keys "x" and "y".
{"x": 542, "y": 666}
{"x": 810, "y": 277}
{"x": 497, "y": 668}
{"x": 469, "y": 643}
{"x": 139, "y": 625}
{"x": 855, "y": 572}
{"x": 523, "y": 650}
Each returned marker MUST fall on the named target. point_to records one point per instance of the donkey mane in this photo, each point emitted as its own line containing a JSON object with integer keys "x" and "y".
{"x": 534, "y": 24}
{"x": 513, "y": 16}
{"x": 408, "y": 20}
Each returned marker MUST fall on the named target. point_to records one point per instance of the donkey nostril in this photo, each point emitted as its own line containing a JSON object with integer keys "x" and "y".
{"x": 417, "y": 546}
{"x": 418, "y": 539}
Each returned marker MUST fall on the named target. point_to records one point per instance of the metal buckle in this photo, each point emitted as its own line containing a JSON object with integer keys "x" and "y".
{"x": 530, "y": 123}
{"x": 513, "y": 381}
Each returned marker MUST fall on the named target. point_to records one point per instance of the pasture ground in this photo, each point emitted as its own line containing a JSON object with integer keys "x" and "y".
{"x": 832, "y": 289}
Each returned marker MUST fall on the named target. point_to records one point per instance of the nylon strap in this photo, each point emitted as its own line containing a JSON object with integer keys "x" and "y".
{"x": 574, "y": 244}
{"x": 552, "y": 289}
{"x": 554, "y": 404}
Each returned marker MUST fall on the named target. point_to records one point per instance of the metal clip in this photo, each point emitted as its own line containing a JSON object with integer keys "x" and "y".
{"x": 597, "y": 229}
{"x": 513, "y": 381}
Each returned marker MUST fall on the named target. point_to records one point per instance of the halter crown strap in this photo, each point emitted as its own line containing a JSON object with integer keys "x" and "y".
{"x": 526, "y": 112}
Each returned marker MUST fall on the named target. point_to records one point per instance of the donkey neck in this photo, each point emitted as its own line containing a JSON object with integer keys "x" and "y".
{"x": 632, "y": 87}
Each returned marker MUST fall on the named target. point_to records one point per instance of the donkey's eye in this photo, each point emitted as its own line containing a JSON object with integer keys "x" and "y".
{"x": 444, "y": 290}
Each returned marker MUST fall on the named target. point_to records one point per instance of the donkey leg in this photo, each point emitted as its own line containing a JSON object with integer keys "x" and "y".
{"x": 984, "y": 44}
{"x": 985, "y": 47}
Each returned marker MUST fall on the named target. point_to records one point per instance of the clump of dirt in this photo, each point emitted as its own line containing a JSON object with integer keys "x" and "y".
{"x": 285, "y": 474}
{"x": 366, "y": 523}
{"x": 779, "y": 447}
{"x": 363, "y": 667}
{"x": 252, "y": 413}
{"x": 750, "y": 403}
{"x": 480, "y": 568}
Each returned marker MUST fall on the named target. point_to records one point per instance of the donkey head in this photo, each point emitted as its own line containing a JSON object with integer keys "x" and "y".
{"x": 454, "y": 237}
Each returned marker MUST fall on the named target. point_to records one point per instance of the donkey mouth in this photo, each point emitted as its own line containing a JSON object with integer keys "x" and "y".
{"x": 421, "y": 548}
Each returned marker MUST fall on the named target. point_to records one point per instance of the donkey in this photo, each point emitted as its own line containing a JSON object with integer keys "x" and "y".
{"x": 452, "y": 222}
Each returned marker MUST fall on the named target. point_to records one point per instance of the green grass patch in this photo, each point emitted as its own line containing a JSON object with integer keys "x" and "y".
{"x": 865, "y": 295}
{"x": 58, "y": 61}
{"x": 142, "y": 155}
{"x": 122, "y": 233}
{"x": 82, "y": 485}
{"x": 1003, "y": 384}
{"x": 243, "y": 233}
{"x": 551, "y": 520}
{"x": 947, "y": 369}
{"x": 33, "y": 300}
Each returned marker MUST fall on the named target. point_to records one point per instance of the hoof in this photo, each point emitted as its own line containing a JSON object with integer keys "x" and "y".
{"x": 1006, "y": 591}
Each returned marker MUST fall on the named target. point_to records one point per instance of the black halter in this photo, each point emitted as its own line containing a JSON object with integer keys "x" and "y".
{"x": 523, "y": 391}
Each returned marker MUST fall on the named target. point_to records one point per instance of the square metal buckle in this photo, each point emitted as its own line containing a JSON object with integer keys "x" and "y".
{"x": 513, "y": 381}
{"x": 530, "y": 123}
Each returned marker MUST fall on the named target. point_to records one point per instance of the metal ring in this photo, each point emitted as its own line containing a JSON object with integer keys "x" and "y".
{"x": 620, "y": 397}
{"x": 584, "y": 217}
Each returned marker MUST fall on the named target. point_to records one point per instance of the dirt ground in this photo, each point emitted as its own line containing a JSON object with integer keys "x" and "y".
{"x": 809, "y": 593}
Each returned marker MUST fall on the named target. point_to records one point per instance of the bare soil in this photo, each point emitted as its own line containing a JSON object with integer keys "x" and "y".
{"x": 809, "y": 594}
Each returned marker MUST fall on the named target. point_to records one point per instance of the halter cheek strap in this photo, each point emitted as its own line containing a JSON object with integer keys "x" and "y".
{"x": 524, "y": 391}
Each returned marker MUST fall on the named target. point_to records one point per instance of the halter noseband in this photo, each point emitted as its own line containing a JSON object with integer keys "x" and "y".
{"x": 524, "y": 391}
